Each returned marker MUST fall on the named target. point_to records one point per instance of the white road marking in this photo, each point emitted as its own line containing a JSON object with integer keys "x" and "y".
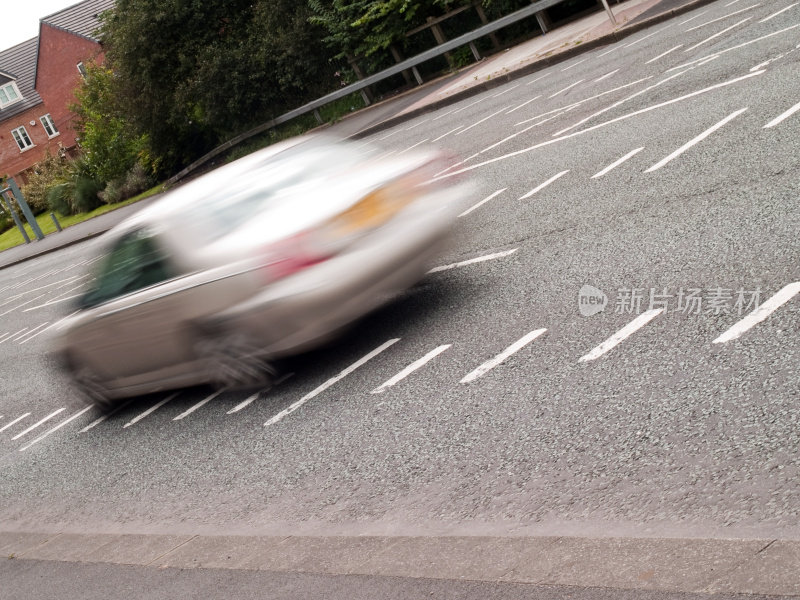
{"x": 664, "y": 54}
{"x": 606, "y": 75}
{"x": 243, "y": 404}
{"x": 732, "y": 3}
{"x": 105, "y": 416}
{"x": 694, "y": 141}
{"x": 737, "y": 47}
{"x": 716, "y": 35}
{"x": 13, "y": 335}
{"x": 566, "y": 88}
{"x": 574, "y": 65}
{"x": 56, "y": 428}
{"x": 783, "y": 10}
{"x": 505, "y": 354}
{"x": 51, "y": 302}
{"x": 728, "y": 16}
{"x": 481, "y": 203}
{"x": 32, "y": 331}
{"x": 537, "y": 79}
{"x": 14, "y": 422}
{"x": 471, "y": 104}
{"x": 415, "y": 125}
{"x": 472, "y": 261}
{"x": 507, "y": 90}
{"x": 513, "y": 135}
{"x": 617, "y": 162}
{"x": 386, "y": 137}
{"x": 448, "y": 133}
{"x": 494, "y": 114}
{"x": 444, "y": 114}
{"x": 330, "y": 382}
{"x": 783, "y": 116}
{"x": 761, "y": 313}
{"x": 412, "y": 147}
{"x": 541, "y": 186}
{"x": 410, "y": 369}
{"x": 5, "y": 336}
{"x": 21, "y": 305}
{"x": 641, "y": 39}
{"x": 609, "y": 51}
{"x": 606, "y": 123}
{"x": 56, "y": 324}
{"x": 524, "y": 104}
{"x": 202, "y": 402}
{"x": 559, "y": 111}
{"x": 150, "y": 410}
{"x": 68, "y": 281}
{"x": 35, "y": 425}
{"x": 622, "y": 334}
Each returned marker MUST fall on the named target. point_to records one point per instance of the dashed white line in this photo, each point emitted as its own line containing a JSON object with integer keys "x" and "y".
{"x": 386, "y": 137}
{"x": 783, "y": 116}
{"x": 566, "y": 88}
{"x": 692, "y": 18}
{"x": 494, "y": 114}
{"x": 104, "y": 417}
{"x": 541, "y": 186}
{"x": 27, "y": 333}
{"x": 481, "y": 203}
{"x": 622, "y": 334}
{"x": 415, "y": 125}
{"x": 202, "y": 402}
{"x": 471, "y": 104}
{"x": 716, "y": 35}
{"x": 574, "y": 65}
{"x": 330, "y": 382}
{"x": 13, "y": 335}
{"x": 412, "y": 147}
{"x": 732, "y": 3}
{"x": 56, "y": 428}
{"x": 248, "y": 401}
{"x": 448, "y": 133}
{"x": 649, "y": 35}
{"x": 761, "y": 313}
{"x": 410, "y": 369}
{"x": 473, "y": 261}
{"x": 664, "y": 54}
{"x": 444, "y": 114}
{"x": 537, "y": 79}
{"x": 606, "y": 75}
{"x": 694, "y": 141}
{"x": 783, "y": 10}
{"x": 149, "y": 411}
{"x": 5, "y": 336}
{"x": 35, "y": 425}
{"x": 507, "y": 90}
{"x": 609, "y": 51}
{"x": 728, "y": 16}
{"x": 505, "y": 354}
{"x": 524, "y": 104}
{"x": 14, "y": 422}
{"x": 21, "y": 305}
{"x": 617, "y": 162}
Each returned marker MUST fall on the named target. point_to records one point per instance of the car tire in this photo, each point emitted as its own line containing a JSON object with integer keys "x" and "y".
{"x": 90, "y": 388}
{"x": 234, "y": 361}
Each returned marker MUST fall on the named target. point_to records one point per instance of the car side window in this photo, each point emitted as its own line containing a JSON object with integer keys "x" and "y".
{"x": 134, "y": 263}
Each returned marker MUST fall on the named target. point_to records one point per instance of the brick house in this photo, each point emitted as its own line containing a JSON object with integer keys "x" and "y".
{"x": 37, "y": 81}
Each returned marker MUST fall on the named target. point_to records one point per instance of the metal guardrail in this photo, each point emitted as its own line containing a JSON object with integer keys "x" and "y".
{"x": 409, "y": 63}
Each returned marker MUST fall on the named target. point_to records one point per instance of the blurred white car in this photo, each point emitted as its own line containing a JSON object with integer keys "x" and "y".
{"x": 262, "y": 258}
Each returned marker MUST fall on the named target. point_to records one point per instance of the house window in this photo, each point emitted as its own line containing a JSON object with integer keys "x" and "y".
{"x": 49, "y": 125}
{"x": 9, "y": 93}
{"x": 21, "y": 137}
{"x": 82, "y": 69}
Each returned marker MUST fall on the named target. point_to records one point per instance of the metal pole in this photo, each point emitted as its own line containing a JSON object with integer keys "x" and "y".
{"x": 13, "y": 214}
{"x": 608, "y": 10}
{"x": 55, "y": 221}
{"x": 26, "y": 210}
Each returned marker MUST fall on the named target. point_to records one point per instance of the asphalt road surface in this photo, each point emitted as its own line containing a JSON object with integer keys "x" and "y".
{"x": 662, "y": 171}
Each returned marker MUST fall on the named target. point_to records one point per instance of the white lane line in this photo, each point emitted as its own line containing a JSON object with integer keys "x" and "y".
{"x": 105, "y": 416}
{"x": 664, "y": 54}
{"x": 783, "y": 116}
{"x": 561, "y": 110}
{"x": 51, "y": 302}
{"x": 202, "y": 402}
{"x": 412, "y": 147}
{"x": 606, "y": 75}
{"x": 629, "y": 329}
{"x": 505, "y": 354}
{"x": 494, "y": 114}
{"x": 692, "y": 18}
{"x": 32, "y": 331}
{"x": 618, "y": 103}
{"x": 57, "y": 323}
{"x": 471, "y": 104}
{"x": 716, "y": 35}
{"x": 649, "y": 35}
{"x": 415, "y": 125}
{"x": 247, "y": 402}
{"x": 537, "y": 79}
{"x": 783, "y": 10}
{"x": 5, "y": 336}
{"x": 566, "y": 88}
{"x": 617, "y": 163}
{"x": 481, "y": 203}
{"x": 506, "y": 90}
{"x": 600, "y": 125}
{"x": 35, "y": 425}
{"x": 524, "y": 104}
{"x": 13, "y": 335}
{"x": 21, "y": 305}
{"x": 737, "y": 47}
{"x": 14, "y": 422}
{"x": 472, "y": 261}
{"x": 728, "y": 16}
{"x": 410, "y": 369}
{"x": 56, "y": 428}
{"x": 609, "y": 51}
{"x": 448, "y": 133}
{"x": 541, "y": 186}
{"x": 762, "y": 312}
{"x": 574, "y": 65}
{"x": 694, "y": 141}
{"x": 150, "y": 410}
{"x": 732, "y": 3}
{"x": 444, "y": 114}
{"x": 520, "y": 132}
{"x": 386, "y": 137}
{"x": 330, "y": 382}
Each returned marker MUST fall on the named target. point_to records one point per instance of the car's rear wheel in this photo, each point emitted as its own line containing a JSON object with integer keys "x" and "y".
{"x": 234, "y": 361}
{"x": 90, "y": 387}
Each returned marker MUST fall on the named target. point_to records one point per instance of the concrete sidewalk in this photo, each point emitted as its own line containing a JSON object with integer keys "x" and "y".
{"x": 558, "y": 45}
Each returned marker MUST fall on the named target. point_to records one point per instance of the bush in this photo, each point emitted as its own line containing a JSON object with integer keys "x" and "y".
{"x": 76, "y": 192}
{"x": 137, "y": 180}
{"x": 49, "y": 171}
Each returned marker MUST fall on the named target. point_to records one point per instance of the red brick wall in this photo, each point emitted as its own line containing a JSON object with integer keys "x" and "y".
{"x": 12, "y": 161}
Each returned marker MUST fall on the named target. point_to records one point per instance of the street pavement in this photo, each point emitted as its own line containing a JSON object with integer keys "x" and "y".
{"x": 648, "y": 447}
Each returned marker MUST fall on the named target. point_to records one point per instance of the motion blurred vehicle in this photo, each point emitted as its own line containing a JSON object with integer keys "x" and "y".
{"x": 266, "y": 257}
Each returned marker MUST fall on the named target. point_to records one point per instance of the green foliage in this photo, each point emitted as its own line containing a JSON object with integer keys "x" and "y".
{"x": 45, "y": 174}
{"x": 77, "y": 191}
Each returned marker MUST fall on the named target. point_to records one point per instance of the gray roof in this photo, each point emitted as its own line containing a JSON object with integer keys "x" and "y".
{"x": 80, "y": 19}
{"x": 20, "y": 62}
